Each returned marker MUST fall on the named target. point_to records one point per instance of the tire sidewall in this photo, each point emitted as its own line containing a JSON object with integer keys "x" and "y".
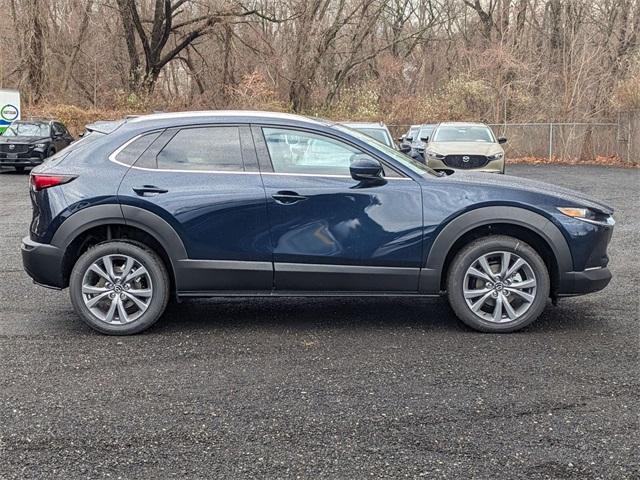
{"x": 157, "y": 274}
{"x": 470, "y": 254}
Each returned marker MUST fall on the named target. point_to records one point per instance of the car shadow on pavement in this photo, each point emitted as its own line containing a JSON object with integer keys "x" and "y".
{"x": 301, "y": 314}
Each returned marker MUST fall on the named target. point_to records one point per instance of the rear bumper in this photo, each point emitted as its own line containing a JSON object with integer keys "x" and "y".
{"x": 43, "y": 263}
{"x": 587, "y": 281}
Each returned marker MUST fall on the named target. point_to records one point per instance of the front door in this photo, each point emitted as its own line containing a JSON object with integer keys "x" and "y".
{"x": 329, "y": 233}
{"x": 204, "y": 182}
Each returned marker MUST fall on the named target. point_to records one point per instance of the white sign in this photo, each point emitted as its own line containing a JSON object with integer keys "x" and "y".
{"x": 9, "y": 108}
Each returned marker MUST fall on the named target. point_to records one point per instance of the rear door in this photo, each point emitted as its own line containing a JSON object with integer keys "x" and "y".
{"x": 204, "y": 182}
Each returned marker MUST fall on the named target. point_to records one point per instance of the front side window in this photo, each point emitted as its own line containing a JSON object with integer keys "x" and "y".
{"x": 294, "y": 151}
{"x": 203, "y": 148}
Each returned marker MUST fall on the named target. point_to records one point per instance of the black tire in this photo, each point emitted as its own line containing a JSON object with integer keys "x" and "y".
{"x": 469, "y": 255}
{"x": 157, "y": 273}
{"x": 19, "y": 169}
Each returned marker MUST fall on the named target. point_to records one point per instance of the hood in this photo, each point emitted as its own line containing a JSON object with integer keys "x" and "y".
{"x": 24, "y": 139}
{"x": 465, "y": 148}
{"x": 571, "y": 197}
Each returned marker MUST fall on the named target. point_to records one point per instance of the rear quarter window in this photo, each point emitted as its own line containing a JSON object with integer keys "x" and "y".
{"x": 132, "y": 151}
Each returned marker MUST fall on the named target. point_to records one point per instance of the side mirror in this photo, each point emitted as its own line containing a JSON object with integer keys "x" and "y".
{"x": 425, "y": 139}
{"x": 366, "y": 169}
{"x": 409, "y": 139}
{"x": 502, "y": 140}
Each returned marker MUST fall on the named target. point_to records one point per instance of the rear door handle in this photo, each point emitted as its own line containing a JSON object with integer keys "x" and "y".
{"x": 148, "y": 190}
{"x": 286, "y": 197}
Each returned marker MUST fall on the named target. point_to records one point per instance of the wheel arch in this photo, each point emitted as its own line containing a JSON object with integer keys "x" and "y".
{"x": 100, "y": 223}
{"x": 526, "y": 225}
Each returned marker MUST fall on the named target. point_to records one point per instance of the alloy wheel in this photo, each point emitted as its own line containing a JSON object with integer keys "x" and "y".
{"x": 499, "y": 287}
{"x": 117, "y": 289}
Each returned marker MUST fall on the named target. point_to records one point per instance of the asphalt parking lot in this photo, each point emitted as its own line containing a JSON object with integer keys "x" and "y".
{"x": 324, "y": 388}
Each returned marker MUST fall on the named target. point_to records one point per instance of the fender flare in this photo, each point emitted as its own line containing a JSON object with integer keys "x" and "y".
{"x": 111, "y": 214}
{"x": 545, "y": 228}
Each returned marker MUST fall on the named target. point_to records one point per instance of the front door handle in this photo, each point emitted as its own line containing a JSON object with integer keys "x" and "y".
{"x": 147, "y": 190}
{"x": 286, "y": 197}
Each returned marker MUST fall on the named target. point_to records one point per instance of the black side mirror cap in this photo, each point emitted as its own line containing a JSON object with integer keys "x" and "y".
{"x": 425, "y": 139}
{"x": 502, "y": 140}
{"x": 366, "y": 169}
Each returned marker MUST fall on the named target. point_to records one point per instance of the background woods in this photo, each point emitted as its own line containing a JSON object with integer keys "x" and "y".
{"x": 397, "y": 60}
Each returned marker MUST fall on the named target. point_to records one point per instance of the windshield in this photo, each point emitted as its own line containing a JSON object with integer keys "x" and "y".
{"x": 425, "y": 132}
{"x": 464, "y": 133}
{"x": 380, "y": 134}
{"x": 413, "y": 131}
{"x": 24, "y": 129}
{"x": 401, "y": 158}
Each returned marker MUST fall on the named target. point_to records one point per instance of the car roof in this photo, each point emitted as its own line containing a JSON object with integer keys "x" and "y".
{"x": 222, "y": 116}
{"x": 34, "y": 120}
{"x": 378, "y": 125}
{"x": 462, "y": 124}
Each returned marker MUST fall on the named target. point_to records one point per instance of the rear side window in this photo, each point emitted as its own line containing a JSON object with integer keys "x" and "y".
{"x": 129, "y": 154}
{"x": 203, "y": 148}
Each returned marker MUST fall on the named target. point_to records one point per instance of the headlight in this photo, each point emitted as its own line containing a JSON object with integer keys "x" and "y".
{"x": 496, "y": 156}
{"x": 587, "y": 215}
{"x": 41, "y": 145}
{"x": 435, "y": 155}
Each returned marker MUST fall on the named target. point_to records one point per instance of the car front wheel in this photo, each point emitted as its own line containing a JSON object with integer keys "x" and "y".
{"x": 119, "y": 288}
{"x": 498, "y": 284}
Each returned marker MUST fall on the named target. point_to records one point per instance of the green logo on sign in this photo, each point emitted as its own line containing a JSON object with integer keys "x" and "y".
{"x": 9, "y": 113}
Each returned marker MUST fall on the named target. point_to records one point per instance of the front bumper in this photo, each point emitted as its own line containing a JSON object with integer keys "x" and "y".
{"x": 494, "y": 166}
{"x": 43, "y": 263}
{"x": 587, "y": 281}
{"x": 21, "y": 162}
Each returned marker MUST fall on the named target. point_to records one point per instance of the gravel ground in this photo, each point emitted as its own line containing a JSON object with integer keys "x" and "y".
{"x": 324, "y": 388}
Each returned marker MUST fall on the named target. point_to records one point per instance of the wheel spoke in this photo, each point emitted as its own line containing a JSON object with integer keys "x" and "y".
{"x": 506, "y": 259}
{"x": 142, "y": 292}
{"x": 136, "y": 273}
{"x": 127, "y": 267}
{"x": 96, "y": 269}
{"x": 108, "y": 265}
{"x": 139, "y": 303}
{"x": 94, "y": 300}
{"x": 515, "y": 267}
{"x": 486, "y": 267}
{"x": 524, "y": 284}
{"x": 526, "y": 296}
{"x": 497, "y": 310}
{"x": 476, "y": 306}
{"x": 90, "y": 289}
{"x": 112, "y": 310}
{"x": 508, "y": 308}
{"x": 476, "y": 293}
{"x": 477, "y": 273}
{"x": 122, "y": 314}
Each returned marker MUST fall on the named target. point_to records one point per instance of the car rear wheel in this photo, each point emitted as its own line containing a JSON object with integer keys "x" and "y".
{"x": 119, "y": 288}
{"x": 498, "y": 284}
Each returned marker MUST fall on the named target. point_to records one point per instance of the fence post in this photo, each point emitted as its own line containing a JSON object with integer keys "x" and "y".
{"x": 550, "y": 141}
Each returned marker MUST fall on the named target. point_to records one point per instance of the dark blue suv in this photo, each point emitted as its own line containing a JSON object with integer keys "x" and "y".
{"x": 205, "y": 204}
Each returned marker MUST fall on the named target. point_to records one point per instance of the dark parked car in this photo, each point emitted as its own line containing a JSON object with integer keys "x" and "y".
{"x": 27, "y": 143}
{"x": 206, "y": 204}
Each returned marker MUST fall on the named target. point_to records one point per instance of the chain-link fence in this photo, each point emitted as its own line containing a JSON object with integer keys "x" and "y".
{"x": 568, "y": 141}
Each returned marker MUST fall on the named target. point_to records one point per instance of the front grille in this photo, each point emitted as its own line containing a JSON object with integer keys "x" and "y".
{"x": 17, "y": 148}
{"x": 465, "y": 161}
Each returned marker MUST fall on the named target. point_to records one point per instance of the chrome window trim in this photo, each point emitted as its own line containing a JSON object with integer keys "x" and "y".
{"x": 115, "y": 153}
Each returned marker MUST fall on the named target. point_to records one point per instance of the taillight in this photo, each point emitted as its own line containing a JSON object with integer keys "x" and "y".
{"x": 41, "y": 181}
